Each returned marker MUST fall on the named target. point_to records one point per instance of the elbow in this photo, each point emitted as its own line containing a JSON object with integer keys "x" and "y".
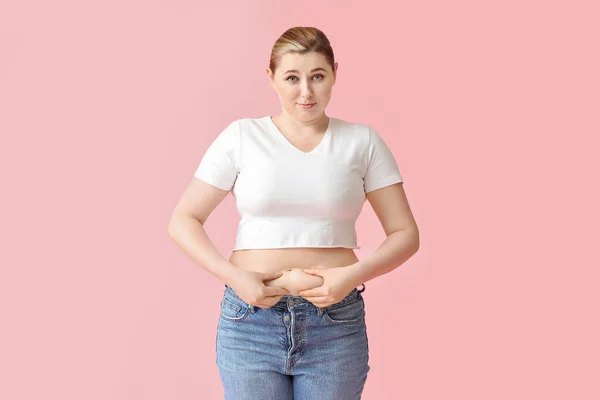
{"x": 415, "y": 239}
{"x": 416, "y": 246}
{"x": 176, "y": 224}
{"x": 170, "y": 230}
{"x": 172, "y": 227}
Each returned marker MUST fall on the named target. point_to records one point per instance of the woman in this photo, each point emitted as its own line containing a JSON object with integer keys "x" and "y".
{"x": 292, "y": 321}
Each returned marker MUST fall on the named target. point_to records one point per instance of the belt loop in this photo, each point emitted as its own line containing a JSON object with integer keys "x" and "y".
{"x": 363, "y": 288}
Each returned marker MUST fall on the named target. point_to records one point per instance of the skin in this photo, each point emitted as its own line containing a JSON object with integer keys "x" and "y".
{"x": 261, "y": 276}
{"x": 305, "y": 130}
{"x": 294, "y": 280}
{"x": 304, "y": 86}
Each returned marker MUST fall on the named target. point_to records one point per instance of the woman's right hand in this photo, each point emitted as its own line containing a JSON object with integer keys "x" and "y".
{"x": 250, "y": 287}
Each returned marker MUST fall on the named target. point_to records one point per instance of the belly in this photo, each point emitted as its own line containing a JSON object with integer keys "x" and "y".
{"x": 292, "y": 261}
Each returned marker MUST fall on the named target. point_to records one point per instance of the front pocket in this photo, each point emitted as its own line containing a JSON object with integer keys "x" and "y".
{"x": 232, "y": 311}
{"x": 348, "y": 313}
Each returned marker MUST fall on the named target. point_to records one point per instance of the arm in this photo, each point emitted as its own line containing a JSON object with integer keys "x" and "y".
{"x": 391, "y": 207}
{"x": 398, "y": 247}
{"x": 189, "y": 234}
{"x": 186, "y": 228}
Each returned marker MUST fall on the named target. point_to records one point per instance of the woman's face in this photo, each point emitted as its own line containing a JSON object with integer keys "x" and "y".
{"x": 301, "y": 79}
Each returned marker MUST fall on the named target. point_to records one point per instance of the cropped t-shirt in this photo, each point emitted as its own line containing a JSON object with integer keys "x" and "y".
{"x": 290, "y": 198}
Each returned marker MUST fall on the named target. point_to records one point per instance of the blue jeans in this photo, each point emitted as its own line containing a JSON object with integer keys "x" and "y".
{"x": 293, "y": 350}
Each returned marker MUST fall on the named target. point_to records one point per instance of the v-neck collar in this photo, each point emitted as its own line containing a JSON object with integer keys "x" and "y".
{"x": 288, "y": 143}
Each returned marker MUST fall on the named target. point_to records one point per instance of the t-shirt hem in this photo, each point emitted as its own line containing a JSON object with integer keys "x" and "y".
{"x": 214, "y": 182}
{"x": 290, "y": 247}
{"x": 384, "y": 183}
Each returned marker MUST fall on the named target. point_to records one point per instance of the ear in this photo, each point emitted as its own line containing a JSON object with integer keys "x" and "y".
{"x": 270, "y": 76}
{"x": 335, "y": 72}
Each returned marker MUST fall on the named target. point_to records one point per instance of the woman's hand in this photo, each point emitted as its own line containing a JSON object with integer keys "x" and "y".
{"x": 294, "y": 281}
{"x": 338, "y": 282}
{"x": 250, "y": 287}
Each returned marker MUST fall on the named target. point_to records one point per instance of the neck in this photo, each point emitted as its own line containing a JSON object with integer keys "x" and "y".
{"x": 316, "y": 125}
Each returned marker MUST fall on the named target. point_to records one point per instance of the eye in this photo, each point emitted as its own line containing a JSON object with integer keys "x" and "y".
{"x": 292, "y": 76}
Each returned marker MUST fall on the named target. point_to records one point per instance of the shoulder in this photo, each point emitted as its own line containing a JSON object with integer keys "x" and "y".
{"x": 242, "y": 126}
{"x": 364, "y": 130}
{"x": 247, "y": 126}
{"x": 252, "y": 122}
{"x": 349, "y": 125}
{"x": 354, "y": 131}
{"x": 351, "y": 128}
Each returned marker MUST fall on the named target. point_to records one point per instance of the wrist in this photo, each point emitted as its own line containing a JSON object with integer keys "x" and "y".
{"x": 356, "y": 274}
{"x": 229, "y": 274}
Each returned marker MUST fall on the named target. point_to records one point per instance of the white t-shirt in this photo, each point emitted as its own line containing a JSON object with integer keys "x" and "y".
{"x": 289, "y": 198}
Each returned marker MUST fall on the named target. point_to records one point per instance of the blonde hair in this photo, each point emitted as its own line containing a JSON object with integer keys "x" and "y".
{"x": 301, "y": 40}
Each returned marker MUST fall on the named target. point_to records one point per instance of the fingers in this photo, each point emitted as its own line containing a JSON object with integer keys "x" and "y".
{"x": 272, "y": 296}
{"x": 267, "y": 276}
{"x": 269, "y": 301}
{"x": 275, "y": 291}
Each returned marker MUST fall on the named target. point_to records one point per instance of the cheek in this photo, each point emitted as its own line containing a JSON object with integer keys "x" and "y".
{"x": 324, "y": 90}
{"x": 292, "y": 92}
{"x": 285, "y": 90}
{"x": 284, "y": 93}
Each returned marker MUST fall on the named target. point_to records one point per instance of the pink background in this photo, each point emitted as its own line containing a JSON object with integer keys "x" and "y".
{"x": 491, "y": 109}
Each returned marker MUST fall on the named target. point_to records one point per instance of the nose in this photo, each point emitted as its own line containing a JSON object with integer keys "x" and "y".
{"x": 306, "y": 91}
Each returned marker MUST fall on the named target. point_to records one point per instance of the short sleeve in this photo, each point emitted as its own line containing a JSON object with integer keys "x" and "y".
{"x": 219, "y": 165}
{"x": 382, "y": 169}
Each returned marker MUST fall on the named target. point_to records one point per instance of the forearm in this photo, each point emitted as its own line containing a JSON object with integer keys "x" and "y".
{"x": 394, "y": 251}
{"x": 189, "y": 234}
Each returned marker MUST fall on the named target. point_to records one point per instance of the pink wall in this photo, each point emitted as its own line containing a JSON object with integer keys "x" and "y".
{"x": 491, "y": 109}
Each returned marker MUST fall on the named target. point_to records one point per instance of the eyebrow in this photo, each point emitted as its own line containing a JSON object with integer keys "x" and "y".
{"x": 296, "y": 71}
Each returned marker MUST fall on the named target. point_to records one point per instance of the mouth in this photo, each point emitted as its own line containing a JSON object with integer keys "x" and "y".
{"x": 306, "y": 105}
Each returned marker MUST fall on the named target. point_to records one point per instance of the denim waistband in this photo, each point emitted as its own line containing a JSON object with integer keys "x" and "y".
{"x": 350, "y": 297}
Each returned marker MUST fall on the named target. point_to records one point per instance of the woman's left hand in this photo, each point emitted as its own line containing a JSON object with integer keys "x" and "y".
{"x": 338, "y": 282}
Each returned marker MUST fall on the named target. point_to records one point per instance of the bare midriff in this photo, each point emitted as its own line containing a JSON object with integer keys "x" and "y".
{"x": 292, "y": 261}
